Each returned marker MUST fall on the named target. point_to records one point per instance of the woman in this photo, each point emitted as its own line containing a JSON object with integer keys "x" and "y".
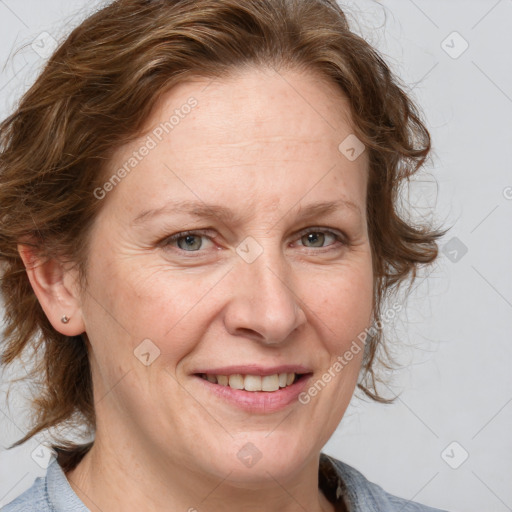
{"x": 199, "y": 230}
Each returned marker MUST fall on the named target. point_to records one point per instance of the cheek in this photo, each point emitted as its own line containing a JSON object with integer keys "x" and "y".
{"x": 147, "y": 301}
{"x": 343, "y": 312}
{"x": 343, "y": 301}
{"x": 140, "y": 294}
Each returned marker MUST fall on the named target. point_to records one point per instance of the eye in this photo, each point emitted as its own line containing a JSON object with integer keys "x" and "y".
{"x": 318, "y": 236}
{"x": 189, "y": 241}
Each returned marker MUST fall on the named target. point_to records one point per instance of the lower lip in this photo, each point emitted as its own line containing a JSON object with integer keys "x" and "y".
{"x": 258, "y": 401}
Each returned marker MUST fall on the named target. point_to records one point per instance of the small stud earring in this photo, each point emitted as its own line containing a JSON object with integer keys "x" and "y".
{"x": 64, "y": 319}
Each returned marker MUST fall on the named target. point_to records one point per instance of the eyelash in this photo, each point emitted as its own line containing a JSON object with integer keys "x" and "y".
{"x": 339, "y": 237}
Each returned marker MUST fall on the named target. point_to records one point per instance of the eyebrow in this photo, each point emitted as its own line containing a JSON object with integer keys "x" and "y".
{"x": 226, "y": 215}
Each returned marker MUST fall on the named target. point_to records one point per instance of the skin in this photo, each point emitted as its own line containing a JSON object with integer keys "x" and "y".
{"x": 263, "y": 143}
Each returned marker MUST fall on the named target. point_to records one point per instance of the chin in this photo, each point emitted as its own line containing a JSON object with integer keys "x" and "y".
{"x": 261, "y": 458}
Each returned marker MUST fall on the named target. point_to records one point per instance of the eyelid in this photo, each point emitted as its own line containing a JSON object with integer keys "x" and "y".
{"x": 320, "y": 229}
{"x": 172, "y": 238}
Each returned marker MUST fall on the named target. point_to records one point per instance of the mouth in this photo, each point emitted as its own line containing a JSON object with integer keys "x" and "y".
{"x": 253, "y": 383}
{"x": 255, "y": 389}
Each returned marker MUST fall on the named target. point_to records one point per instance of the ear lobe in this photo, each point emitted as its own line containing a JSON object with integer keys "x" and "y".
{"x": 53, "y": 285}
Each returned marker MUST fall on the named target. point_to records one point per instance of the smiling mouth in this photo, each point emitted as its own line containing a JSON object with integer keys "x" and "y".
{"x": 267, "y": 383}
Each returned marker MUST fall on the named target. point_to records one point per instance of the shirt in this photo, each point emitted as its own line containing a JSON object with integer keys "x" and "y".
{"x": 341, "y": 484}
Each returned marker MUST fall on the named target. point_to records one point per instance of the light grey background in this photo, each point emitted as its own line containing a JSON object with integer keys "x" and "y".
{"x": 456, "y": 331}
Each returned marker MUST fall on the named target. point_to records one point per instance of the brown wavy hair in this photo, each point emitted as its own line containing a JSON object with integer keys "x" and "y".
{"x": 95, "y": 94}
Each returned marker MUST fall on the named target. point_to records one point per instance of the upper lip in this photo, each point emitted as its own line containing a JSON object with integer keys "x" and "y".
{"x": 254, "y": 370}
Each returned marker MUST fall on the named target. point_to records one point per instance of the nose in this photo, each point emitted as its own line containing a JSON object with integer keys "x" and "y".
{"x": 263, "y": 305}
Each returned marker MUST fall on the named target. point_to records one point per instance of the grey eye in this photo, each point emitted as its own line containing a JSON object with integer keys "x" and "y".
{"x": 316, "y": 238}
{"x": 192, "y": 242}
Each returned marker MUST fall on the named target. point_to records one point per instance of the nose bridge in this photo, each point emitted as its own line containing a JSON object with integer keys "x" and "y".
{"x": 265, "y": 301}
{"x": 271, "y": 277}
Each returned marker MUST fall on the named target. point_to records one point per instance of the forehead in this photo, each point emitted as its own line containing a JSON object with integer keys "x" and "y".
{"x": 256, "y": 101}
{"x": 259, "y": 132}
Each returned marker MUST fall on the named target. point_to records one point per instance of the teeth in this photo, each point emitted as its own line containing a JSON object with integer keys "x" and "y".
{"x": 270, "y": 383}
{"x": 253, "y": 382}
{"x": 222, "y": 380}
{"x": 236, "y": 381}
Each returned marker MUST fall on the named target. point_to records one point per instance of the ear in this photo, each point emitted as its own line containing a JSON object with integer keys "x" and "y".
{"x": 56, "y": 289}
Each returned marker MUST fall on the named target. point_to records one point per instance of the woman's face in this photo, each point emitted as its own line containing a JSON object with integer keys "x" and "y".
{"x": 268, "y": 284}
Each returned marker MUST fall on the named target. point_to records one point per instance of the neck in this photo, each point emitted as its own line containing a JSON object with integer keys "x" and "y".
{"x": 114, "y": 477}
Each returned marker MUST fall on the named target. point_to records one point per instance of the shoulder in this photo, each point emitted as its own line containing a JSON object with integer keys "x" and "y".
{"x": 362, "y": 495}
{"x": 51, "y": 493}
{"x": 34, "y": 498}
